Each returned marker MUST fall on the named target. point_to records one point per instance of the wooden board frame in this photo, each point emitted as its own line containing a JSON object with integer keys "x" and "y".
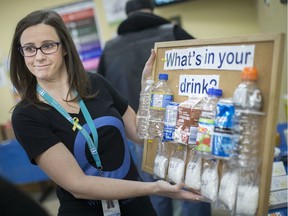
{"x": 268, "y": 60}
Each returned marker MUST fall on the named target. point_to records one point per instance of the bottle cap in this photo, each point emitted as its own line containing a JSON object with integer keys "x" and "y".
{"x": 249, "y": 73}
{"x": 190, "y": 96}
{"x": 149, "y": 81}
{"x": 163, "y": 76}
{"x": 173, "y": 103}
{"x": 215, "y": 92}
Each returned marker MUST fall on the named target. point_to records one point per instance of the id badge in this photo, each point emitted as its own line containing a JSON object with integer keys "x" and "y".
{"x": 110, "y": 207}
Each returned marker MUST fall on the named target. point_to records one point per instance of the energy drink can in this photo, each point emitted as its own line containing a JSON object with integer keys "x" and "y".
{"x": 222, "y": 139}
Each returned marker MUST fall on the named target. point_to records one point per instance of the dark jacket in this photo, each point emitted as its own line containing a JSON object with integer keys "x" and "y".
{"x": 124, "y": 57}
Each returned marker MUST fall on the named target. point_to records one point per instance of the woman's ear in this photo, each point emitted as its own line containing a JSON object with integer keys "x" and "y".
{"x": 64, "y": 52}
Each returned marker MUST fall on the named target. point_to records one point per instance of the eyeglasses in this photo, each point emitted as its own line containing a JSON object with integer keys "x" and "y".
{"x": 47, "y": 49}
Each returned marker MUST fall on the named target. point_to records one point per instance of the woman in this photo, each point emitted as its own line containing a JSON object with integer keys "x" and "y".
{"x": 61, "y": 106}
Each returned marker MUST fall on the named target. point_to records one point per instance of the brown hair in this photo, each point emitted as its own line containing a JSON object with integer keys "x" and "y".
{"x": 23, "y": 80}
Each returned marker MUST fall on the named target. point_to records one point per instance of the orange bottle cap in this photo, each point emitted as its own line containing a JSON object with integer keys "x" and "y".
{"x": 249, "y": 73}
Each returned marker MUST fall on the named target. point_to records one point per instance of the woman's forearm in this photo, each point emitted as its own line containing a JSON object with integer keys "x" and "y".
{"x": 60, "y": 165}
{"x": 98, "y": 188}
{"x": 129, "y": 119}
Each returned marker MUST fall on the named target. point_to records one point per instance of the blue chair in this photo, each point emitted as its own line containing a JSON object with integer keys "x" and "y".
{"x": 16, "y": 168}
{"x": 282, "y": 130}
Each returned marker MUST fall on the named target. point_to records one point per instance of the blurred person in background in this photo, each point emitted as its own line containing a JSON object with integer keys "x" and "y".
{"x": 15, "y": 202}
{"x": 122, "y": 62}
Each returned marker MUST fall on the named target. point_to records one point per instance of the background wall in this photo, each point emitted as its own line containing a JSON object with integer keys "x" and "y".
{"x": 201, "y": 18}
{"x": 273, "y": 18}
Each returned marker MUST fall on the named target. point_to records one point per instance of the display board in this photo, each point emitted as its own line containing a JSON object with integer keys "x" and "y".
{"x": 195, "y": 65}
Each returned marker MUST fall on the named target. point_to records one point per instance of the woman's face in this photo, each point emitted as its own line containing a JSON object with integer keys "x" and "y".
{"x": 45, "y": 67}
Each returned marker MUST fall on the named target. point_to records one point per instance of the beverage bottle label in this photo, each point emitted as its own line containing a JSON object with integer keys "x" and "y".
{"x": 160, "y": 101}
{"x": 205, "y": 129}
{"x": 170, "y": 121}
{"x": 194, "y": 119}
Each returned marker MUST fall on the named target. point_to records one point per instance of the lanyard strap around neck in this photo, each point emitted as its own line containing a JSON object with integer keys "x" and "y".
{"x": 74, "y": 121}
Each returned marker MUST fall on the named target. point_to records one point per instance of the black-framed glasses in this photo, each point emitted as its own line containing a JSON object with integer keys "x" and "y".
{"x": 47, "y": 48}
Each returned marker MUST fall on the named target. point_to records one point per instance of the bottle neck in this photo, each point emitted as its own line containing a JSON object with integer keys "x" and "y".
{"x": 248, "y": 81}
{"x": 213, "y": 97}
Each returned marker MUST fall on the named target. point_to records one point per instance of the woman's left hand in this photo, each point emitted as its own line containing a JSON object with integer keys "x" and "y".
{"x": 147, "y": 71}
{"x": 166, "y": 189}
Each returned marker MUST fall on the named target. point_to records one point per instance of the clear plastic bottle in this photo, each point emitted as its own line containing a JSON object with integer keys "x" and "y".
{"x": 247, "y": 100}
{"x": 143, "y": 111}
{"x": 206, "y": 121}
{"x": 170, "y": 121}
{"x": 161, "y": 95}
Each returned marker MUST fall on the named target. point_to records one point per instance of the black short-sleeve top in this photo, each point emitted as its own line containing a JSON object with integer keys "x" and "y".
{"x": 39, "y": 129}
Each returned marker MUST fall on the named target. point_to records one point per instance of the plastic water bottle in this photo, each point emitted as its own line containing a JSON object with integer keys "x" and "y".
{"x": 247, "y": 100}
{"x": 143, "y": 111}
{"x": 161, "y": 95}
{"x": 206, "y": 121}
{"x": 170, "y": 121}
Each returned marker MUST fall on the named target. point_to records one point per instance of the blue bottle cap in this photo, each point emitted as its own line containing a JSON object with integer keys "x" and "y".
{"x": 163, "y": 76}
{"x": 215, "y": 92}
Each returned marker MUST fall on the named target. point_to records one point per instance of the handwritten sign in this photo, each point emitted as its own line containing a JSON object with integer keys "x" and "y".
{"x": 114, "y": 10}
{"x": 210, "y": 57}
{"x": 3, "y": 79}
{"x": 197, "y": 84}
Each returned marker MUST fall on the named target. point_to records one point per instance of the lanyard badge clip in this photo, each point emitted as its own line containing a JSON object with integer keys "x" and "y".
{"x": 100, "y": 168}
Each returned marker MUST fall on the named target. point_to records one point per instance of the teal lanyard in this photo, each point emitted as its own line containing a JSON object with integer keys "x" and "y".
{"x": 75, "y": 122}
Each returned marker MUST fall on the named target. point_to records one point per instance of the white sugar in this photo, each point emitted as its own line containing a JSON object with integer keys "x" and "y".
{"x": 193, "y": 174}
{"x": 228, "y": 189}
{"x": 209, "y": 183}
{"x": 247, "y": 200}
{"x": 160, "y": 166}
{"x": 176, "y": 170}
